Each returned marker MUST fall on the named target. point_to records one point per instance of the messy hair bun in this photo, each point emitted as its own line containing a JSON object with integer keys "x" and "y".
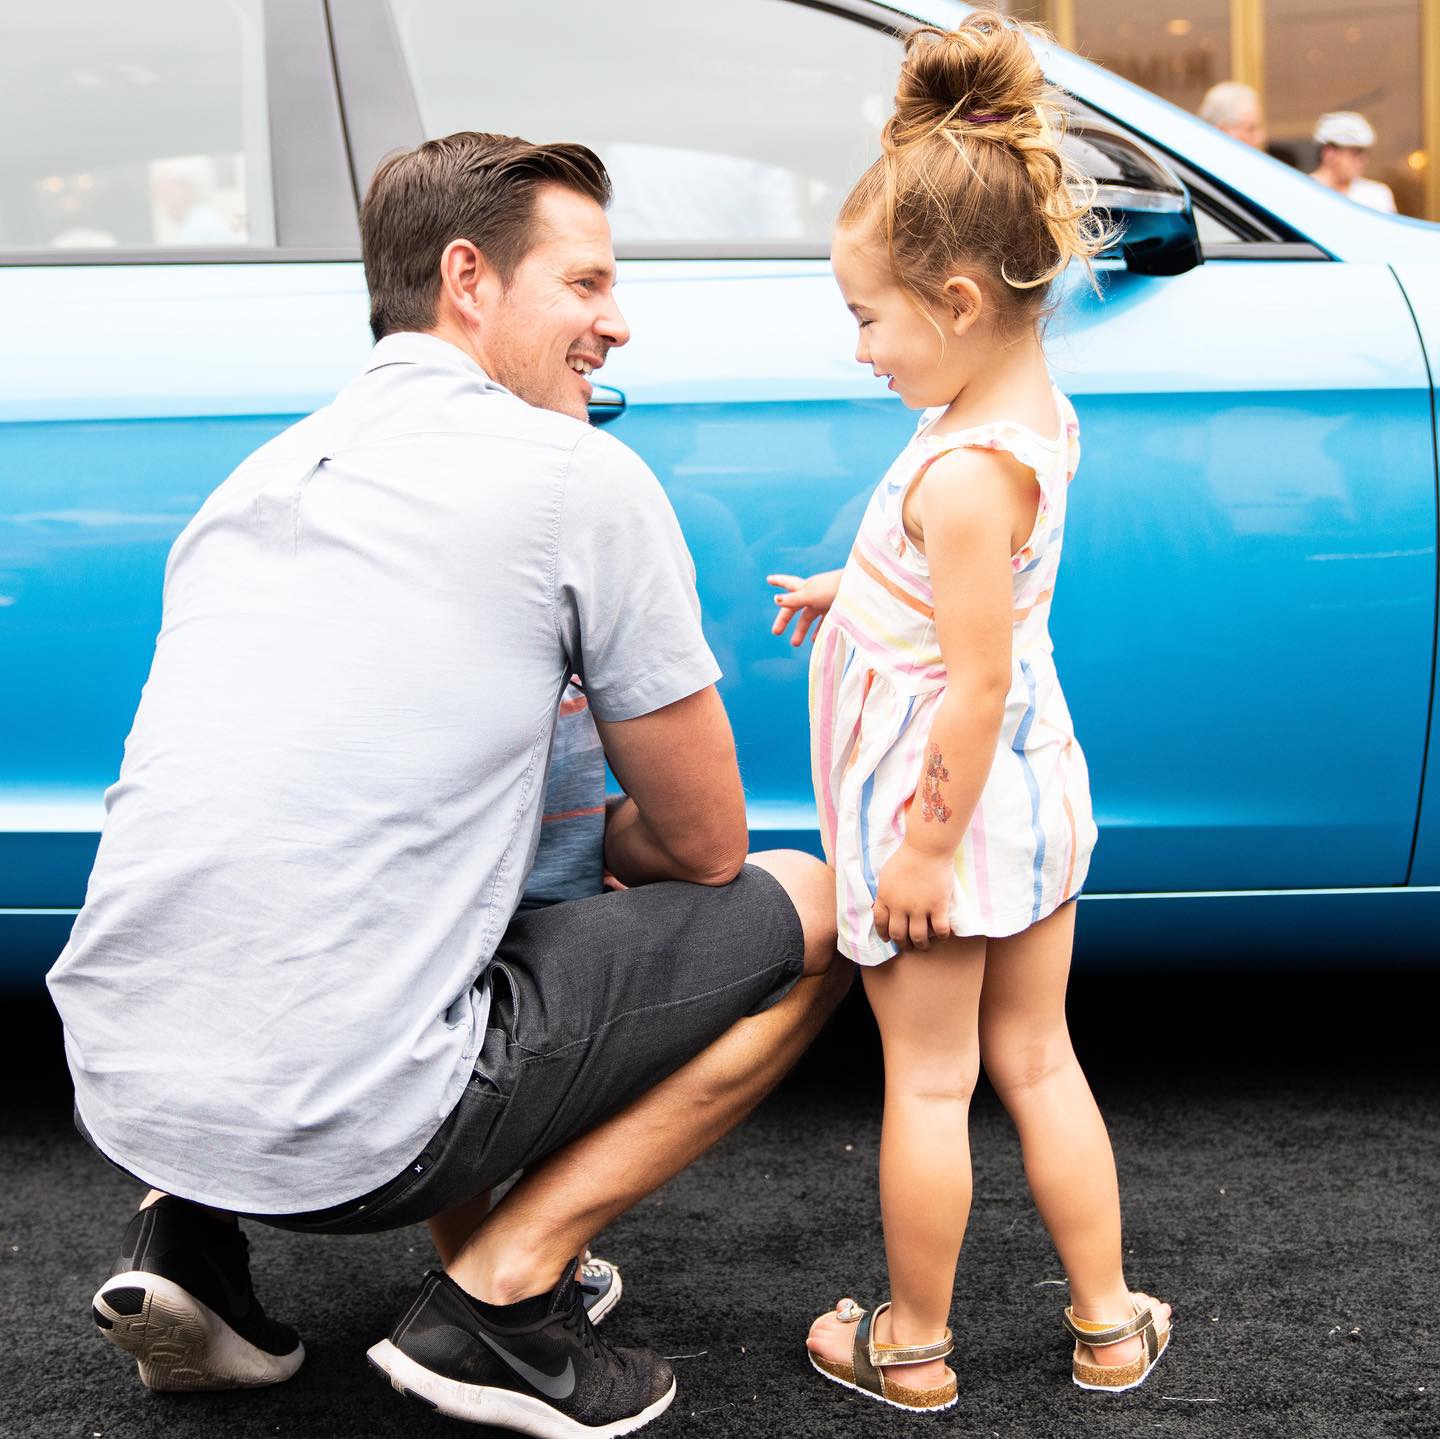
{"x": 971, "y": 174}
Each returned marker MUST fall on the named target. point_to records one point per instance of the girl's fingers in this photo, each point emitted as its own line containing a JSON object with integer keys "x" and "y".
{"x": 784, "y": 582}
{"x": 920, "y": 929}
{"x": 807, "y": 618}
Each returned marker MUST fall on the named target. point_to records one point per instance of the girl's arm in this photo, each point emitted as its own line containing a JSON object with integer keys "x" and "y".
{"x": 969, "y": 506}
{"x": 810, "y": 599}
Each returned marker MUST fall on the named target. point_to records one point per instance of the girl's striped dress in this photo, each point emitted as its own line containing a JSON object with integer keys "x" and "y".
{"x": 877, "y": 678}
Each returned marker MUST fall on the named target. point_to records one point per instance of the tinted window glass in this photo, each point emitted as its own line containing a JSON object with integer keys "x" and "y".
{"x": 742, "y": 122}
{"x": 134, "y": 124}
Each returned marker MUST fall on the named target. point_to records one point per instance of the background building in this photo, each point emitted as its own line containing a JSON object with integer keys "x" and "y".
{"x": 1381, "y": 57}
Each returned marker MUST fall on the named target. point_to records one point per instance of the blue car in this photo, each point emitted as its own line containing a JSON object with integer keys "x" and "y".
{"x": 1247, "y": 620}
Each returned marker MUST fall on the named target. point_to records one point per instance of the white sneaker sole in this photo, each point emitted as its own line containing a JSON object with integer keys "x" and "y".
{"x": 481, "y": 1404}
{"x": 180, "y": 1343}
{"x": 611, "y": 1298}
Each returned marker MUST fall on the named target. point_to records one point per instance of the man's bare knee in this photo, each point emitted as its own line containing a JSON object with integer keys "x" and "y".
{"x": 810, "y": 884}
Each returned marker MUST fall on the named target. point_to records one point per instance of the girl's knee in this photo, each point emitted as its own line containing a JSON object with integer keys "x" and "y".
{"x": 931, "y": 1078}
{"x": 1016, "y": 1064}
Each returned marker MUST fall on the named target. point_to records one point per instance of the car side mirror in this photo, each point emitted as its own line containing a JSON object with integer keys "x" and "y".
{"x": 1142, "y": 196}
{"x": 1157, "y": 229}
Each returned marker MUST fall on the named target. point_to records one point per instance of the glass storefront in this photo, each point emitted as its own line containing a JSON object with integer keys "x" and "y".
{"x": 1305, "y": 57}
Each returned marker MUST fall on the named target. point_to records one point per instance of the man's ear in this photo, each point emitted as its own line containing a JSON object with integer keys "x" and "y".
{"x": 469, "y": 285}
{"x": 966, "y": 301}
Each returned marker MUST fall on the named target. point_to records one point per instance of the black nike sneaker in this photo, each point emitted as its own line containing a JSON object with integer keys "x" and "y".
{"x": 181, "y": 1302}
{"x": 553, "y": 1377}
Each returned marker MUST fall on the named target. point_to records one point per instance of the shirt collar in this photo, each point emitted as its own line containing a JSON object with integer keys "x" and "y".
{"x": 412, "y": 347}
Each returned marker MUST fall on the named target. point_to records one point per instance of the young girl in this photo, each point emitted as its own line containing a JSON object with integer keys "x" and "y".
{"x": 953, "y": 797}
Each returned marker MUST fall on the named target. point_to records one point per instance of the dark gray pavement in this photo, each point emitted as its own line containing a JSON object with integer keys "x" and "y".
{"x": 1281, "y": 1179}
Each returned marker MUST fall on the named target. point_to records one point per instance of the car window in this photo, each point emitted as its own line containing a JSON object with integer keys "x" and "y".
{"x": 134, "y": 125}
{"x": 1214, "y": 231}
{"x": 741, "y": 123}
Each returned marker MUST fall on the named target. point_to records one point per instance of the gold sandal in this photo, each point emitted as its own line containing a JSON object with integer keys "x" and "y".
{"x": 1114, "y": 1379}
{"x": 865, "y": 1373}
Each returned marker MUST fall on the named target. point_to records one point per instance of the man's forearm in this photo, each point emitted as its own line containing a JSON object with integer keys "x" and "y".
{"x": 634, "y": 855}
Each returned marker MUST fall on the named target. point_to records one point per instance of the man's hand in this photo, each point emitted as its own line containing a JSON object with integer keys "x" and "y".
{"x": 810, "y": 600}
{"x": 684, "y": 817}
{"x": 912, "y": 897}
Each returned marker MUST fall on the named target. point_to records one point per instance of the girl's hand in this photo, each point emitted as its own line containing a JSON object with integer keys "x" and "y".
{"x": 912, "y": 901}
{"x": 809, "y": 599}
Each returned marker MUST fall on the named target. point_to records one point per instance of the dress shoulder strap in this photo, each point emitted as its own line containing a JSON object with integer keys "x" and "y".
{"x": 1052, "y": 459}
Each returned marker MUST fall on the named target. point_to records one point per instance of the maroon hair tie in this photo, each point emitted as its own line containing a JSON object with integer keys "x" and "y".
{"x": 983, "y": 119}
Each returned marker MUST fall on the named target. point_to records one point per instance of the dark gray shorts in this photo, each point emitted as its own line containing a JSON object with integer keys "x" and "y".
{"x": 594, "y": 1002}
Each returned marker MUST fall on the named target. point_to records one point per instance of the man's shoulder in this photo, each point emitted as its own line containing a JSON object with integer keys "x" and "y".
{"x": 602, "y": 462}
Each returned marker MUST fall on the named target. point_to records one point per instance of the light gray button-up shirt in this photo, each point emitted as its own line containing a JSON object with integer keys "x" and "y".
{"x": 331, "y": 793}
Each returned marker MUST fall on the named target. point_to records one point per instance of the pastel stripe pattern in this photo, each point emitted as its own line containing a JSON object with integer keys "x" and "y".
{"x": 877, "y": 677}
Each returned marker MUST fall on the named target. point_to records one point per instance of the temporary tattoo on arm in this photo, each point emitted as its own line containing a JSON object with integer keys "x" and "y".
{"x": 932, "y": 802}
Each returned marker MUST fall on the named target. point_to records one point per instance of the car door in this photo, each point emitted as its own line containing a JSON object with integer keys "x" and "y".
{"x": 179, "y": 277}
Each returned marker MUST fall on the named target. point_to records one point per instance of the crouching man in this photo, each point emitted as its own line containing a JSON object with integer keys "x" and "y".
{"x": 300, "y": 990}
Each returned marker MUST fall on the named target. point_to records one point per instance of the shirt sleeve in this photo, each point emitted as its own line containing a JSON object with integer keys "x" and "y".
{"x": 626, "y": 607}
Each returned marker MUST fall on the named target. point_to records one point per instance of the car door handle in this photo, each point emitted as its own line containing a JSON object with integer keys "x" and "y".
{"x": 605, "y": 404}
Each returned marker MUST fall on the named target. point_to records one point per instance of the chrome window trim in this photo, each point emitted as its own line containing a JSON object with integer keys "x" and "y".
{"x": 1263, "y": 250}
{"x": 1126, "y": 197}
{"x": 188, "y": 255}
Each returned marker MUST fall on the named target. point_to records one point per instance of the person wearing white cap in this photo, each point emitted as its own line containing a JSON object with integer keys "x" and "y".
{"x": 1345, "y": 139}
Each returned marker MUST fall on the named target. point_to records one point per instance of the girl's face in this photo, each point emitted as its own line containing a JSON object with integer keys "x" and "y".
{"x": 897, "y": 340}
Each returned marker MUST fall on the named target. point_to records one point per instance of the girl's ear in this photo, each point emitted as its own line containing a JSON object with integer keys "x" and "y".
{"x": 966, "y": 301}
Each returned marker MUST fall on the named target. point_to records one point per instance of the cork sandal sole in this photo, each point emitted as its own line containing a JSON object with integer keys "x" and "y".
{"x": 1116, "y": 1378}
{"x": 897, "y": 1396}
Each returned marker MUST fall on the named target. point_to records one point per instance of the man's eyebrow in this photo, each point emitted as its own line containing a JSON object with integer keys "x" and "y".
{"x": 596, "y": 270}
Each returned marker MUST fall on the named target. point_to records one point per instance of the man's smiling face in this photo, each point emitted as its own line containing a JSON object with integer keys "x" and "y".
{"x": 557, "y": 319}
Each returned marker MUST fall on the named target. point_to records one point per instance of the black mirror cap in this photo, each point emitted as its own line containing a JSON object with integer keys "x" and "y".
{"x": 1157, "y": 234}
{"x": 1158, "y": 244}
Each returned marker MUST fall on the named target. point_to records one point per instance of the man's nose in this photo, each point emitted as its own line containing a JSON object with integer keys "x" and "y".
{"x": 611, "y": 326}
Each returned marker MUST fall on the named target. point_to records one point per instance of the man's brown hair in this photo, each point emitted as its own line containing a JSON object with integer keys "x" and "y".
{"x": 468, "y": 186}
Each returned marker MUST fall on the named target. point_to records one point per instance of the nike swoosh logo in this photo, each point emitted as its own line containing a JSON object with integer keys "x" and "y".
{"x": 552, "y": 1386}
{"x": 238, "y": 1299}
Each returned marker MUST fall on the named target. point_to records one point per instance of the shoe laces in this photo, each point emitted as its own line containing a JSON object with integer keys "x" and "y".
{"x": 578, "y": 1322}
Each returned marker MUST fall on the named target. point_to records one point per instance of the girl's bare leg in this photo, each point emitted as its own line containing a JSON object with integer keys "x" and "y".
{"x": 1025, "y": 1047}
{"x": 927, "y": 1005}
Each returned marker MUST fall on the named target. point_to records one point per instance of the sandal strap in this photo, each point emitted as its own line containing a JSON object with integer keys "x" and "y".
{"x": 870, "y": 1357}
{"x": 867, "y": 1373}
{"x": 887, "y": 1354}
{"x": 1088, "y": 1331}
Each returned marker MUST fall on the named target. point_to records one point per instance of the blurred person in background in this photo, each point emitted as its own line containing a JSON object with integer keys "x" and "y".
{"x": 184, "y": 196}
{"x": 1345, "y": 139}
{"x": 1235, "y": 109}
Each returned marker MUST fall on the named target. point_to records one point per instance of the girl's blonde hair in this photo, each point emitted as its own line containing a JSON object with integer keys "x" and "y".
{"x": 971, "y": 177}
